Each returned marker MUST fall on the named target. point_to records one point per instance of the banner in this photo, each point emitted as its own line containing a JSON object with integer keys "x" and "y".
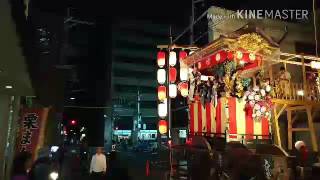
{"x": 32, "y": 129}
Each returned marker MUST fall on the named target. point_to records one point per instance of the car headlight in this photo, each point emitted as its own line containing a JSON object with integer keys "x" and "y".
{"x": 54, "y": 175}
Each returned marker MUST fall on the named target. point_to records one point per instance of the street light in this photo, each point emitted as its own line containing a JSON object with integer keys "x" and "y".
{"x": 54, "y": 175}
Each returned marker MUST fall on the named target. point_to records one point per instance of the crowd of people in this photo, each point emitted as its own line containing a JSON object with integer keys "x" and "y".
{"x": 99, "y": 166}
{"x": 209, "y": 88}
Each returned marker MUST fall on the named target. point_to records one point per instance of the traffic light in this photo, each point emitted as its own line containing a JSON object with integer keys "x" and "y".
{"x": 73, "y": 122}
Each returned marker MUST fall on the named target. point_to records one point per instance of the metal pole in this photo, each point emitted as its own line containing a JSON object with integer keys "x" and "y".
{"x": 139, "y": 110}
{"x": 168, "y": 83}
{"x": 191, "y": 23}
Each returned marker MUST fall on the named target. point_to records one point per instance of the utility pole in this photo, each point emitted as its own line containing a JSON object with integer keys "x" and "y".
{"x": 192, "y": 23}
{"x": 168, "y": 84}
{"x": 138, "y": 108}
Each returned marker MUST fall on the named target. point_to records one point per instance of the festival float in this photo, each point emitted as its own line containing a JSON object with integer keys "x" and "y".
{"x": 233, "y": 93}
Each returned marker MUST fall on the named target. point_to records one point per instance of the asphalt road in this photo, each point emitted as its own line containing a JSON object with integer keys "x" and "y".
{"x": 126, "y": 165}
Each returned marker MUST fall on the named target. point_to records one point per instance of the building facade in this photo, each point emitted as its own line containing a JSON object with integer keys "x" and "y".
{"x": 134, "y": 99}
{"x": 15, "y": 83}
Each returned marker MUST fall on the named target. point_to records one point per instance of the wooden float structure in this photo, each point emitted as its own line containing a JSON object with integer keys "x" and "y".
{"x": 302, "y": 97}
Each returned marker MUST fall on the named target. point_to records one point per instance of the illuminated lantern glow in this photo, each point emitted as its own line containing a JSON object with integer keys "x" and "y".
{"x": 162, "y": 93}
{"x": 218, "y": 57}
{"x": 163, "y": 127}
{"x": 161, "y": 59}
{"x": 172, "y": 58}
{"x": 239, "y": 55}
{"x": 172, "y": 74}
{"x": 173, "y": 90}
{"x": 184, "y": 90}
{"x": 252, "y": 57}
{"x": 315, "y": 64}
{"x": 182, "y": 55}
{"x": 184, "y": 71}
{"x": 161, "y": 76}
{"x": 162, "y": 110}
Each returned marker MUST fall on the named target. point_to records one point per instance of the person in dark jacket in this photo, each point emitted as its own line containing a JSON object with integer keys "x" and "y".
{"x": 21, "y": 166}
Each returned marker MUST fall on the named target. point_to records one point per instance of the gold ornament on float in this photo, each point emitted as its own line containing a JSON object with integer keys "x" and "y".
{"x": 251, "y": 42}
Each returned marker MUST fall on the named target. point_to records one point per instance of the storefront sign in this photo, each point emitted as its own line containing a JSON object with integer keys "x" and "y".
{"x": 32, "y": 128}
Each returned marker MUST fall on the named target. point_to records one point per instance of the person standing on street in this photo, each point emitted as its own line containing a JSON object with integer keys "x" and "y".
{"x": 98, "y": 166}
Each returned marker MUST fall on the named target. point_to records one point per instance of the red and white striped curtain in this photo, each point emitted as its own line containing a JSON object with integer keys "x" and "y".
{"x": 229, "y": 114}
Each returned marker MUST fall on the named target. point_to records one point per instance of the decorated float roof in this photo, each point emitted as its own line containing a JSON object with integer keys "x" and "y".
{"x": 249, "y": 40}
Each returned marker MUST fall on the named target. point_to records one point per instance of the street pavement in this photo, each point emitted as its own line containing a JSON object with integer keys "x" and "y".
{"x": 127, "y": 165}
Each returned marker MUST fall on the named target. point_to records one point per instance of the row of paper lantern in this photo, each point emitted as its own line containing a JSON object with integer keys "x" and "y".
{"x": 162, "y": 96}
{"x": 161, "y": 74}
{"x": 173, "y": 89}
{"x": 161, "y": 58}
{"x": 221, "y": 56}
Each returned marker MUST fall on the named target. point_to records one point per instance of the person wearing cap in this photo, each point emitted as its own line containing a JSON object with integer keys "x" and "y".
{"x": 98, "y": 166}
{"x": 302, "y": 153}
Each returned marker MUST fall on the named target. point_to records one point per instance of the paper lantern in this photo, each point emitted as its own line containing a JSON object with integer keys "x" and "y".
{"x": 218, "y": 57}
{"x": 161, "y": 76}
{"x": 163, "y": 126}
{"x": 162, "y": 110}
{"x": 172, "y": 58}
{"x": 161, "y": 59}
{"x": 182, "y": 55}
{"x": 239, "y": 55}
{"x": 173, "y": 90}
{"x": 184, "y": 71}
{"x": 183, "y": 87}
{"x": 172, "y": 75}
{"x": 252, "y": 57}
{"x": 162, "y": 93}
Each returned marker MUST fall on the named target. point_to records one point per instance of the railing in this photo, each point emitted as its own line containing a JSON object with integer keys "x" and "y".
{"x": 296, "y": 91}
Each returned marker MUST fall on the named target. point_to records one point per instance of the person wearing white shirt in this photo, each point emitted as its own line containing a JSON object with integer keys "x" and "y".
{"x": 98, "y": 166}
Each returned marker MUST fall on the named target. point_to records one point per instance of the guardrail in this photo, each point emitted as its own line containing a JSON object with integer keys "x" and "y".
{"x": 296, "y": 91}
